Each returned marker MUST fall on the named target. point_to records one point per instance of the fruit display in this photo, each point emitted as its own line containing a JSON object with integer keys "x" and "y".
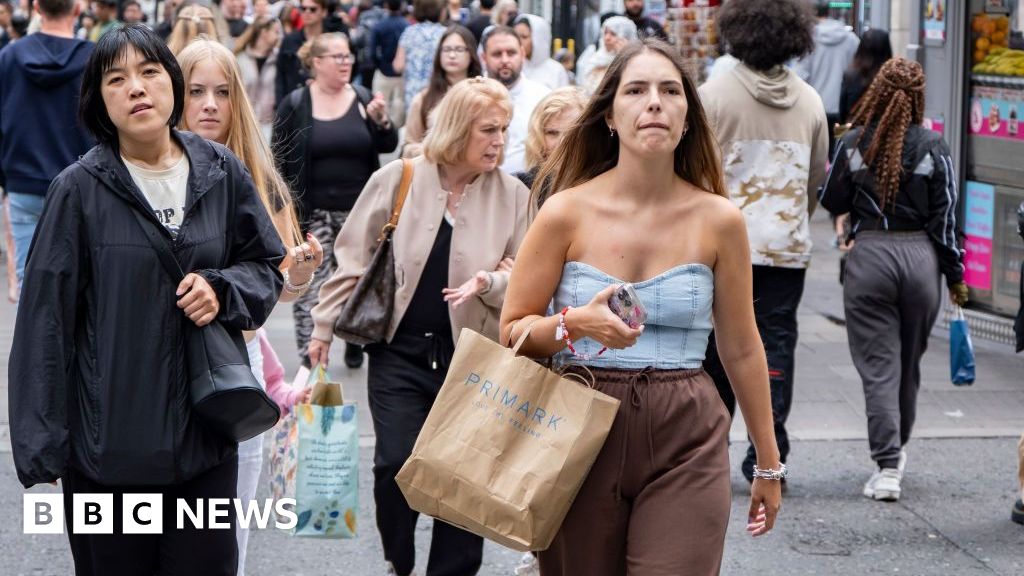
{"x": 1001, "y": 62}
{"x": 691, "y": 26}
{"x": 990, "y": 36}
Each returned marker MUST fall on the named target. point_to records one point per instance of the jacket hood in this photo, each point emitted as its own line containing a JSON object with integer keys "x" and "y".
{"x": 206, "y": 168}
{"x": 50, "y": 61}
{"x": 777, "y": 87}
{"x": 831, "y": 32}
{"x": 541, "y": 35}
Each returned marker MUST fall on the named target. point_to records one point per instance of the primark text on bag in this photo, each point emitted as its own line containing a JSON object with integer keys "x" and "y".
{"x": 506, "y": 446}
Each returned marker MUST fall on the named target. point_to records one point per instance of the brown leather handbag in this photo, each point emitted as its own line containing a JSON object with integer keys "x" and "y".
{"x": 366, "y": 316}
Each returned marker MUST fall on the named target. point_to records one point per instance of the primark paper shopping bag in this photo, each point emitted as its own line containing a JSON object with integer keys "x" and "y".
{"x": 506, "y": 445}
{"x": 327, "y": 467}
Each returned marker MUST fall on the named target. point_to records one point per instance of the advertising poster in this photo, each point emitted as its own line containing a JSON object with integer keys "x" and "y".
{"x": 995, "y": 113}
{"x": 935, "y": 20}
{"x": 978, "y": 220}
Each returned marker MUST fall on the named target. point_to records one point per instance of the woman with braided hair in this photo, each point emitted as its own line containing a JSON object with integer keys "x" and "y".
{"x": 896, "y": 180}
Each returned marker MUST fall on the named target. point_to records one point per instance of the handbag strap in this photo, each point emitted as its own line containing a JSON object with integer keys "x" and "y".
{"x": 403, "y": 192}
{"x": 163, "y": 249}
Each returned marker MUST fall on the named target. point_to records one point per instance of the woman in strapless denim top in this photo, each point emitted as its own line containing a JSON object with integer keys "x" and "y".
{"x": 640, "y": 198}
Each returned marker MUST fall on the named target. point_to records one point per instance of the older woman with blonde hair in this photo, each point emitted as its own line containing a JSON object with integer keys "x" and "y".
{"x": 461, "y": 224}
{"x": 552, "y": 117}
{"x": 193, "y": 20}
{"x": 216, "y": 108}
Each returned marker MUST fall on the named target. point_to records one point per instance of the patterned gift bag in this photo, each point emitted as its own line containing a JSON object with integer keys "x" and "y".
{"x": 327, "y": 463}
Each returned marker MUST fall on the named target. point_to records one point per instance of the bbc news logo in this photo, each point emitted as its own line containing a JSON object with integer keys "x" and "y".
{"x": 144, "y": 513}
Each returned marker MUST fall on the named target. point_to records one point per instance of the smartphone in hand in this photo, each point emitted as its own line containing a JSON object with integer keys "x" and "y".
{"x": 627, "y": 305}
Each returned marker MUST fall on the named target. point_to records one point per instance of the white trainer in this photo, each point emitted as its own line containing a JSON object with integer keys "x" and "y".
{"x": 884, "y": 485}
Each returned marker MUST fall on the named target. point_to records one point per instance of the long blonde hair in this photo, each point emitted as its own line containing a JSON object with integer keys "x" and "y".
{"x": 244, "y": 137}
{"x": 192, "y": 21}
{"x": 556, "y": 102}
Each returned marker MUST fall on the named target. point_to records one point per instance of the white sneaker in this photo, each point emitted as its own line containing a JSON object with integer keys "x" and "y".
{"x": 528, "y": 566}
{"x": 884, "y": 485}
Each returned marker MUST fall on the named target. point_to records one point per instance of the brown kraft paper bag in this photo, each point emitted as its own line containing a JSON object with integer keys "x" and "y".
{"x": 506, "y": 445}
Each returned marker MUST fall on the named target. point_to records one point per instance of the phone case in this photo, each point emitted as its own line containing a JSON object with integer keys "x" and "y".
{"x": 627, "y": 305}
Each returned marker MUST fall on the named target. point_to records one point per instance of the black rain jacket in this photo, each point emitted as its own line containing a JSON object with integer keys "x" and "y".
{"x": 97, "y": 369}
{"x": 927, "y": 198}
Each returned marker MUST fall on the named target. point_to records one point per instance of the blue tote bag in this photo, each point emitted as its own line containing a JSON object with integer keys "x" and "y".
{"x": 961, "y": 351}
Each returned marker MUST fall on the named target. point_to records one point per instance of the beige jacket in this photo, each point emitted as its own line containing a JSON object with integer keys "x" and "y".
{"x": 489, "y": 226}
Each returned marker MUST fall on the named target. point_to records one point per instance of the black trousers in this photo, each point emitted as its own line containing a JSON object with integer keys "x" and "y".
{"x": 777, "y": 295}
{"x": 403, "y": 384}
{"x": 186, "y": 552}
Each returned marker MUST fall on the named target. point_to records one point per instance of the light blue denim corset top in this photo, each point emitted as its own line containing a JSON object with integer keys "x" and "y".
{"x": 678, "y": 303}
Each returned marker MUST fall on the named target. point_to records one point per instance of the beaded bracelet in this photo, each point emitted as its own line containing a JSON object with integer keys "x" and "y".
{"x": 562, "y": 333}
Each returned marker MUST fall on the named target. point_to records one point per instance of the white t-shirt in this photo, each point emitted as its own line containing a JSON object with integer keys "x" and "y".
{"x": 526, "y": 94}
{"x": 165, "y": 191}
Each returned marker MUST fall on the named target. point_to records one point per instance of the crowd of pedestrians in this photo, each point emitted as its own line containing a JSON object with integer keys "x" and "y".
{"x": 249, "y": 136}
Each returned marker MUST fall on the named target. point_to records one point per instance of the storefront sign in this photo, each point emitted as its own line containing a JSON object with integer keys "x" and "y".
{"x": 935, "y": 20}
{"x": 979, "y": 212}
{"x": 937, "y": 124}
{"x": 995, "y": 112}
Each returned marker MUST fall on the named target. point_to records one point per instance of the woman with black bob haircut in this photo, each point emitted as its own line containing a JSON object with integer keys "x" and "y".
{"x": 102, "y": 400}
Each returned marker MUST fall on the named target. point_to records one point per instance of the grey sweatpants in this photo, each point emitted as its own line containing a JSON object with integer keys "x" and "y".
{"x": 891, "y": 296}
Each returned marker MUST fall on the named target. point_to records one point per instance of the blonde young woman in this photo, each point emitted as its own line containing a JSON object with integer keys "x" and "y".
{"x": 217, "y": 109}
{"x": 462, "y": 221}
{"x": 193, "y": 21}
{"x": 552, "y": 118}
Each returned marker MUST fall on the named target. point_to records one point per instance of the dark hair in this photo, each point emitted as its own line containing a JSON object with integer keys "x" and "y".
{"x": 823, "y": 7}
{"x": 765, "y": 34}
{"x": 588, "y": 149}
{"x": 130, "y": 3}
{"x": 487, "y": 4}
{"x": 19, "y": 24}
{"x": 522, "y": 19}
{"x": 55, "y": 8}
{"x": 393, "y": 5}
{"x": 427, "y": 10}
{"x": 110, "y": 49}
{"x": 873, "y": 51}
{"x": 438, "y": 85}
{"x": 499, "y": 30}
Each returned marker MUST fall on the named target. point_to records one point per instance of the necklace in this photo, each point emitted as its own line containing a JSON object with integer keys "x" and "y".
{"x": 458, "y": 202}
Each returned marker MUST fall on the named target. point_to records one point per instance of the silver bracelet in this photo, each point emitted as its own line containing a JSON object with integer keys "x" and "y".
{"x": 770, "y": 474}
{"x": 301, "y": 288}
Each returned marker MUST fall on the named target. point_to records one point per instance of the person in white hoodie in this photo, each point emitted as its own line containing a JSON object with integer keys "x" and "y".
{"x": 834, "y": 47}
{"x": 535, "y": 35}
{"x": 773, "y": 135}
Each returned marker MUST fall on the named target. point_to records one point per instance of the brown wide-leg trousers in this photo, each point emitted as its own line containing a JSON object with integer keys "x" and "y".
{"x": 656, "y": 502}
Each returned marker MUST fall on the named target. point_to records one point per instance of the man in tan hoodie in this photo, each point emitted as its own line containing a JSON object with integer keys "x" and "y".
{"x": 773, "y": 135}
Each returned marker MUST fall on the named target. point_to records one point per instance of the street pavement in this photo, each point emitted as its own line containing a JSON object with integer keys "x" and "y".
{"x": 952, "y": 519}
